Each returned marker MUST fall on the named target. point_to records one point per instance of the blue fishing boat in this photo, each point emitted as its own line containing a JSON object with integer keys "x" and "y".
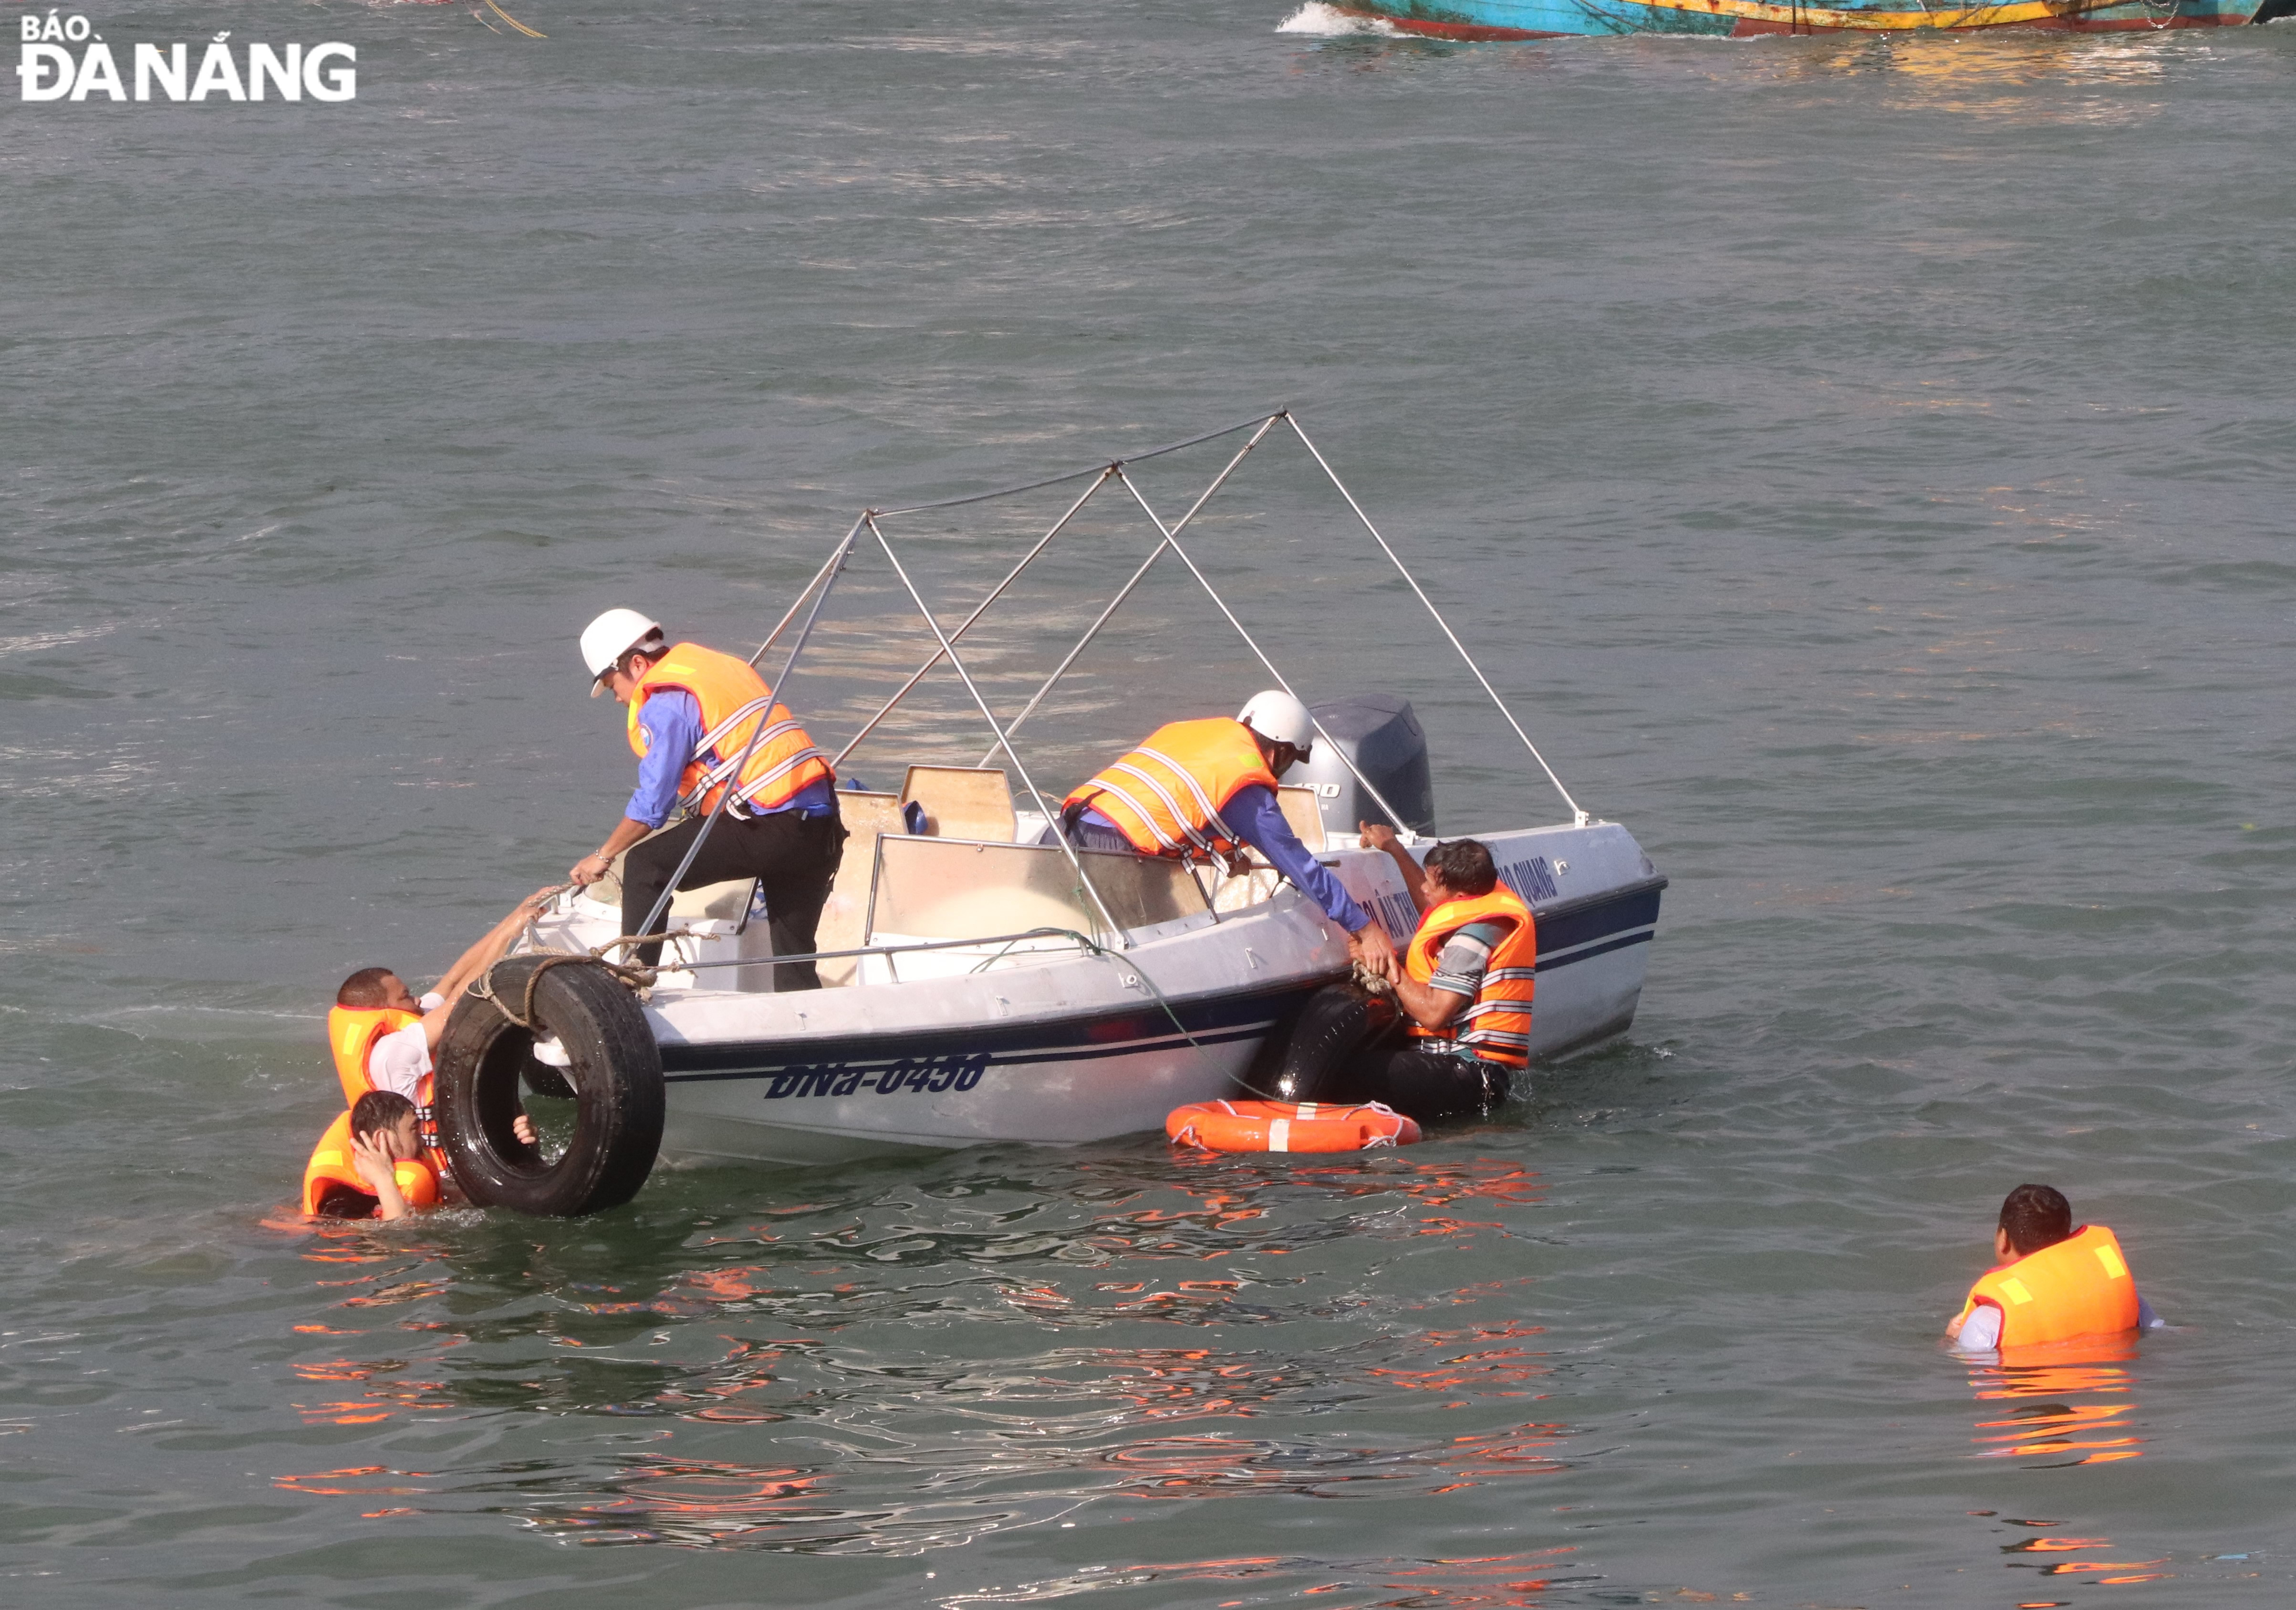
{"x": 1474, "y": 20}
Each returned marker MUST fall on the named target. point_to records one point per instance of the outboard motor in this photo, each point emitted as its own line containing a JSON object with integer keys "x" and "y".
{"x": 1379, "y": 733}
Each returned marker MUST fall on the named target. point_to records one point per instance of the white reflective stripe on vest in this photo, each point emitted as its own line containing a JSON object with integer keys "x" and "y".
{"x": 710, "y": 739}
{"x": 1101, "y": 786}
{"x": 713, "y": 776}
{"x": 1170, "y": 804}
{"x": 1213, "y": 816}
{"x": 743, "y": 796}
{"x": 727, "y": 764}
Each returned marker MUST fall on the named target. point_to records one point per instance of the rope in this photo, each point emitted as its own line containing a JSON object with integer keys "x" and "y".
{"x": 633, "y": 979}
{"x": 513, "y": 22}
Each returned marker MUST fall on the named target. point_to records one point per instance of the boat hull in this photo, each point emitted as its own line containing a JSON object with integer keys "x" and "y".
{"x": 1050, "y": 1082}
{"x": 1078, "y": 1048}
{"x": 1485, "y": 19}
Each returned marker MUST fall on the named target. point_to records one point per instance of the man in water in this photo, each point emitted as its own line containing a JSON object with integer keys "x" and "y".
{"x": 1463, "y": 1001}
{"x": 694, "y": 714}
{"x": 1207, "y": 788}
{"x": 2053, "y": 1282}
{"x": 383, "y": 1037}
{"x": 370, "y": 1164}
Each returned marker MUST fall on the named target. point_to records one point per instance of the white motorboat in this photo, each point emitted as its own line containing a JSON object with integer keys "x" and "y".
{"x": 986, "y": 982}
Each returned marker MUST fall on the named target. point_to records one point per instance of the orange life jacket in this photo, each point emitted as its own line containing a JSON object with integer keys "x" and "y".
{"x": 2080, "y": 1288}
{"x": 1495, "y": 1025}
{"x": 1166, "y": 796}
{"x": 351, "y": 1034}
{"x": 734, "y": 698}
{"x": 331, "y": 1175}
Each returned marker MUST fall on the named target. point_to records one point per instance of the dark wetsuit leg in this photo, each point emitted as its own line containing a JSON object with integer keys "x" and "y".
{"x": 1428, "y": 1085}
{"x": 1338, "y": 1021}
{"x": 794, "y": 857}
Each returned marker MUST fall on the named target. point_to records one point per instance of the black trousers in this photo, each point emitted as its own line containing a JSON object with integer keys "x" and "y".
{"x": 1350, "y": 1046}
{"x": 794, "y": 858}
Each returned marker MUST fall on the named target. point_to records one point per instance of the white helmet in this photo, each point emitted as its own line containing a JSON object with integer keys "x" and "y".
{"x": 612, "y": 635}
{"x": 1280, "y": 719}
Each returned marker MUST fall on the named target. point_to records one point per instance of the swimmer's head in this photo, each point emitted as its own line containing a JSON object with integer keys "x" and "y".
{"x": 1466, "y": 866}
{"x": 387, "y": 1118}
{"x": 372, "y": 986}
{"x": 2034, "y": 1216}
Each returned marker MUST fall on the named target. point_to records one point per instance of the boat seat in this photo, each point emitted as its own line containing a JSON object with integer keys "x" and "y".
{"x": 845, "y": 915}
{"x": 942, "y": 889}
{"x": 1304, "y": 813}
{"x": 963, "y": 801}
{"x": 1301, "y": 809}
{"x": 728, "y": 901}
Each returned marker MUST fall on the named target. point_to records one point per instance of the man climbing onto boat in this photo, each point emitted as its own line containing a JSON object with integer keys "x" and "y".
{"x": 694, "y": 714}
{"x": 383, "y": 1037}
{"x": 1207, "y": 789}
{"x": 1464, "y": 1000}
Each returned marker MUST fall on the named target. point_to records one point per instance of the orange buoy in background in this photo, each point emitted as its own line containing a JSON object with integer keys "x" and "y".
{"x": 1283, "y": 1126}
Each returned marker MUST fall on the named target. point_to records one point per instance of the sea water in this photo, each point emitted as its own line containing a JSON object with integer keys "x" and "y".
{"x": 1865, "y": 465}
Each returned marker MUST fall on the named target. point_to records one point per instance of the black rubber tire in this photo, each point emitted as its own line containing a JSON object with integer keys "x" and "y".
{"x": 616, "y": 1083}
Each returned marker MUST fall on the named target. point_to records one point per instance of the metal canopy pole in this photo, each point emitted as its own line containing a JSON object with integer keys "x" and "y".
{"x": 804, "y": 633}
{"x": 1253, "y": 645}
{"x": 783, "y": 624}
{"x": 996, "y": 592}
{"x": 1576, "y": 809}
{"x": 1053, "y": 480}
{"x": 1125, "y": 591}
{"x": 733, "y": 778}
{"x": 868, "y": 519}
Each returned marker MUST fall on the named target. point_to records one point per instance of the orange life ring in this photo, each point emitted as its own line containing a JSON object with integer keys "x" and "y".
{"x": 1283, "y": 1126}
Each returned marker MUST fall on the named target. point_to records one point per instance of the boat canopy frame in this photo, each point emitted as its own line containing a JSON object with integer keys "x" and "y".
{"x": 815, "y": 593}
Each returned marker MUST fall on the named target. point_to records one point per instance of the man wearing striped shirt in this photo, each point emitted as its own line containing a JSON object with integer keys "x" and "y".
{"x": 1459, "y": 968}
{"x": 1462, "y": 1001}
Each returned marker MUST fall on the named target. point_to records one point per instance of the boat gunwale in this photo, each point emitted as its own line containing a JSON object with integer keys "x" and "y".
{"x": 689, "y": 1050}
{"x": 815, "y": 1047}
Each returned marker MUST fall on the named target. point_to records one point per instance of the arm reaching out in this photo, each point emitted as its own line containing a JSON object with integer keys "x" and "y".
{"x": 600, "y": 861}
{"x": 480, "y": 957}
{"x": 1379, "y": 835}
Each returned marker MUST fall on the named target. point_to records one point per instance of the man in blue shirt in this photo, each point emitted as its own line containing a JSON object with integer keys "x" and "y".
{"x": 693, "y": 710}
{"x": 1280, "y": 728}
